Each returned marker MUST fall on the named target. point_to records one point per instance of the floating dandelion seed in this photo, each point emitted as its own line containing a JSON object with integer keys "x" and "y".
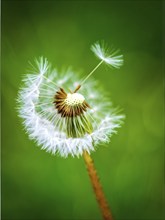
{"x": 69, "y": 116}
{"x": 111, "y": 58}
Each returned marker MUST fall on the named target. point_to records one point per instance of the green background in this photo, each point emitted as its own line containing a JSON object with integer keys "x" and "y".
{"x": 37, "y": 185}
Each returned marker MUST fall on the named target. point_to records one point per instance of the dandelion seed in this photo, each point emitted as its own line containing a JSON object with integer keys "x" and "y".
{"x": 110, "y": 57}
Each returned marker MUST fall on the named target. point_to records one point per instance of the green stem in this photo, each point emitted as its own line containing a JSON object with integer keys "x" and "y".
{"x": 105, "y": 210}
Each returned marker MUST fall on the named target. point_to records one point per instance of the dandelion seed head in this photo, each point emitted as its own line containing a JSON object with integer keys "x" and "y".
{"x": 59, "y": 118}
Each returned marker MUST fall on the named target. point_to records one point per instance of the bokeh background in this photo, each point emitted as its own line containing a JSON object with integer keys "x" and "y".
{"x": 39, "y": 186}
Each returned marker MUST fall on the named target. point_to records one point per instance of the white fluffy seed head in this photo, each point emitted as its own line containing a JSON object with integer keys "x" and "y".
{"x": 45, "y": 125}
{"x": 74, "y": 99}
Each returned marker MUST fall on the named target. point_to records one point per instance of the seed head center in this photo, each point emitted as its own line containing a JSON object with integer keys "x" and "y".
{"x": 74, "y": 99}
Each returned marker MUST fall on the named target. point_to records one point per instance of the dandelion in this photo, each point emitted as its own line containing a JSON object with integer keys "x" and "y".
{"x": 69, "y": 116}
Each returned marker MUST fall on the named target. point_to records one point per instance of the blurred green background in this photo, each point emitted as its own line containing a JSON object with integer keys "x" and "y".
{"x": 39, "y": 186}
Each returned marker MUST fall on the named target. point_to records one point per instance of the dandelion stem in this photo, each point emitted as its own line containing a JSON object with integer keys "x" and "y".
{"x": 92, "y": 71}
{"x": 105, "y": 210}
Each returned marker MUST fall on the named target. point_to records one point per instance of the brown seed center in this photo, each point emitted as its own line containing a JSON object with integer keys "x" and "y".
{"x": 71, "y": 104}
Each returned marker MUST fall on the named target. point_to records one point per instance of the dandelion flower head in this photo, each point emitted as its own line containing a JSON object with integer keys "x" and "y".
{"x": 64, "y": 114}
